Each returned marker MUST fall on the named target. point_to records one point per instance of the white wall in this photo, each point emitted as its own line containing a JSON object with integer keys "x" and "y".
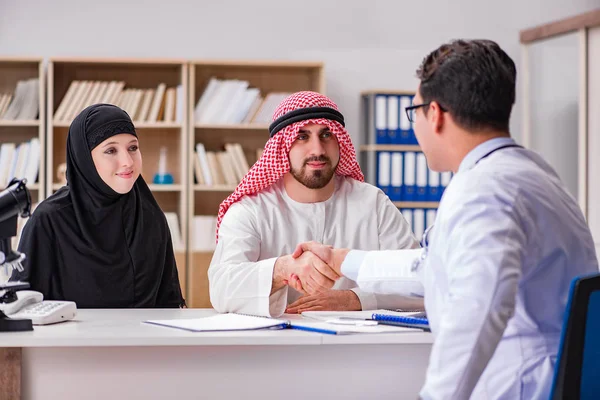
{"x": 554, "y": 104}
{"x": 364, "y": 44}
{"x": 594, "y": 135}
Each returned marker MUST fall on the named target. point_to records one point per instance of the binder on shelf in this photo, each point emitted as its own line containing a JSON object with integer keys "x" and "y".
{"x": 421, "y": 180}
{"x": 407, "y": 213}
{"x": 445, "y": 181}
{"x": 433, "y": 186}
{"x": 396, "y": 174}
{"x": 383, "y": 172}
{"x": 381, "y": 131}
{"x": 410, "y": 176}
{"x": 430, "y": 217}
{"x": 407, "y": 135}
{"x": 392, "y": 120}
{"x": 418, "y": 222}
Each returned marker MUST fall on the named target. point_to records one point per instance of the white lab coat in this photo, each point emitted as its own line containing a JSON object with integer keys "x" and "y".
{"x": 262, "y": 227}
{"x": 507, "y": 241}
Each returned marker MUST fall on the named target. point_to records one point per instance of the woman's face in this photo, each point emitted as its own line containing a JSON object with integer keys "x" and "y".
{"x": 118, "y": 161}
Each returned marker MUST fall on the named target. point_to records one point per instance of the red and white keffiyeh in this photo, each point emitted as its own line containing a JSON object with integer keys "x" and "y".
{"x": 274, "y": 162}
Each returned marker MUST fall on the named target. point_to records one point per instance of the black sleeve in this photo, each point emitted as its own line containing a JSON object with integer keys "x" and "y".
{"x": 38, "y": 265}
{"x": 169, "y": 291}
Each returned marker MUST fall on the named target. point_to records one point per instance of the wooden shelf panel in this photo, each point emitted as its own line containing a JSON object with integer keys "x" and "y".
{"x": 266, "y": 76}
{"x": 136, "y": 75}
{"x": 214, "y": 188}
{"x": 138, "y": 125}
{"x": 122, "y": 62}
{"x": 390, "y": 147}
{"x": 153, "y": 187}
{"x": 388, "y": 91}
{"x": 18, "y": 123}
{"x": 165, "y": 188}
{"x": 417, "y": 204}
{"x": 8, "y": 134}
{"x": 258, "y": 63}
{"x": 255, "y": 127}
{"x": 198, "y": 293}
{"x": 14, "y": 70}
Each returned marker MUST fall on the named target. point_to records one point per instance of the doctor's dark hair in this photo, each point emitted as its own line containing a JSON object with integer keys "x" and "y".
{"x": 474, "y": 80}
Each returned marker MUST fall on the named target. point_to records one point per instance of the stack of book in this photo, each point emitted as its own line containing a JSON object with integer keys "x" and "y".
{"x": 160, "y": 104}
{"x": 220, "y": 167}
{"x": 24, "y": 104}
{"x": 19, "y": 161}
{"x": 232, "y": 101}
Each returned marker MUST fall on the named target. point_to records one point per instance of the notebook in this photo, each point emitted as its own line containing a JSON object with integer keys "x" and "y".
{"x": 240, "y": 322}
{"x": 222, "y": 322}
{"x": 404, "y": 321}
{"x": 365, "y": 315}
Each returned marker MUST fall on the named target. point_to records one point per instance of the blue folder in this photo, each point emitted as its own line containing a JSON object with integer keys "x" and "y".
{"x": 409, "y": 322}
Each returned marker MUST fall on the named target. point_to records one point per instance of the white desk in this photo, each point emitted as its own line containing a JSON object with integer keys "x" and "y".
{"x": 111, "y": 354}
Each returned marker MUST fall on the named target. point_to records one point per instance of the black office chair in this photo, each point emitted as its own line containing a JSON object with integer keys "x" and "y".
{"x": 577, "y": 374}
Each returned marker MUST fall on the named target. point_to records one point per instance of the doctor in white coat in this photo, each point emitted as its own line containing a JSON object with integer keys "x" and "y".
{"x": 507, "y": 240}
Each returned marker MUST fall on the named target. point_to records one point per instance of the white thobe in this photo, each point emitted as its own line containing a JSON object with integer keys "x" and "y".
{"x": 507, "y": 241}
{"x": 262, "y": 227}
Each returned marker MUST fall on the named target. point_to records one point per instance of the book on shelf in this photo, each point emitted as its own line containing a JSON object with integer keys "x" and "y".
{"x": 233, "y": 101}
{"x": 160, "y": 104}
{"x": 173, "y": 223}
{"x": 204, "y": 228}
{"x": 19, "y": 161}
{"x": 24, "y": 103}
{"x": 220, "y": 167}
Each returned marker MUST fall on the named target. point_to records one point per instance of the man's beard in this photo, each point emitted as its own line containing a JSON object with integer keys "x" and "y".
{"x": 316, "y": 179}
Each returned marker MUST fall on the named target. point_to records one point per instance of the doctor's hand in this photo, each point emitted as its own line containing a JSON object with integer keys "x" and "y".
{"x": 312, "y": 274}
{"x": 333, "y": 257}
{"x": 331, "y": 300}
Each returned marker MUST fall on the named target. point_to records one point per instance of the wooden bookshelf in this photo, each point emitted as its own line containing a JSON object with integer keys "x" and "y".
{"x": 370, "y": 151}
{"x": 390, "y": 147}
{"x": 417, "y": 204}
{"x": 13, "y": 70}
{"x": 17, "y": 131}
{"x": 268, "y": 77}
{"x": 144, "y": 74}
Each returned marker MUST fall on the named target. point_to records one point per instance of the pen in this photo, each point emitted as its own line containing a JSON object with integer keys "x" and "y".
{"x": 312, "y": 329}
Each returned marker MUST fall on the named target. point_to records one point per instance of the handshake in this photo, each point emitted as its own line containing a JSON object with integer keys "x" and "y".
{"x": 312, "y": 268}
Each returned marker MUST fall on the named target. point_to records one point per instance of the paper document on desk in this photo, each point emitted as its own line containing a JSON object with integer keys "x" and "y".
{"x": 328, "y": 315}
{"x": 222, "y": 322}
{"x": 346, "y": 328}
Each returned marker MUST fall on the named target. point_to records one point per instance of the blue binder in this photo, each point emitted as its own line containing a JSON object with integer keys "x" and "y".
{"x": 409, "y": 322}
{"x": 406, "y": 132}
{"x": 410, "y": 176}
{"x": 380, "y": 120}
{"x": 384, "y": 164}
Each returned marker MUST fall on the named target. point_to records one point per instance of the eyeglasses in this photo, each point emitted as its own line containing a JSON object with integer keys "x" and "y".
{"x": 411, "y": 114}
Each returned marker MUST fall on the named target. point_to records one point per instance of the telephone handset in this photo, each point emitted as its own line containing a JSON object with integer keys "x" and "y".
{"x": 29, "y": 304}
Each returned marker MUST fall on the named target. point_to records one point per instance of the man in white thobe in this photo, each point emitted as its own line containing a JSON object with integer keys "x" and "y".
{"x": 507, "y": 241}
{"x": 306, "y": 186}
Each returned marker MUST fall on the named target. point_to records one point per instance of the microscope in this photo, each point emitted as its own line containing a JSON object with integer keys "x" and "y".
{"x": 15, "y": 201}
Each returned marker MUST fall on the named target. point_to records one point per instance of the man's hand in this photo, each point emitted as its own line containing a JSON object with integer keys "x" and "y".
{"x": 331, "y": 300}
{"x": 313, "y": 274}
{"x": 332, "y": 257}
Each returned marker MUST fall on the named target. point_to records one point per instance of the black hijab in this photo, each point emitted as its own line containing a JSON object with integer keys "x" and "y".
{"x": 92, "y": 245}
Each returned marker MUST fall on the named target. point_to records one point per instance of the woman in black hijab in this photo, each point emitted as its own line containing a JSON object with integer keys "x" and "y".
{"x": 102, "y": 240}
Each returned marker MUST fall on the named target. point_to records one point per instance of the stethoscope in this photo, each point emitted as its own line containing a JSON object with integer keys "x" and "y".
{"x": 425, "y": 239}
